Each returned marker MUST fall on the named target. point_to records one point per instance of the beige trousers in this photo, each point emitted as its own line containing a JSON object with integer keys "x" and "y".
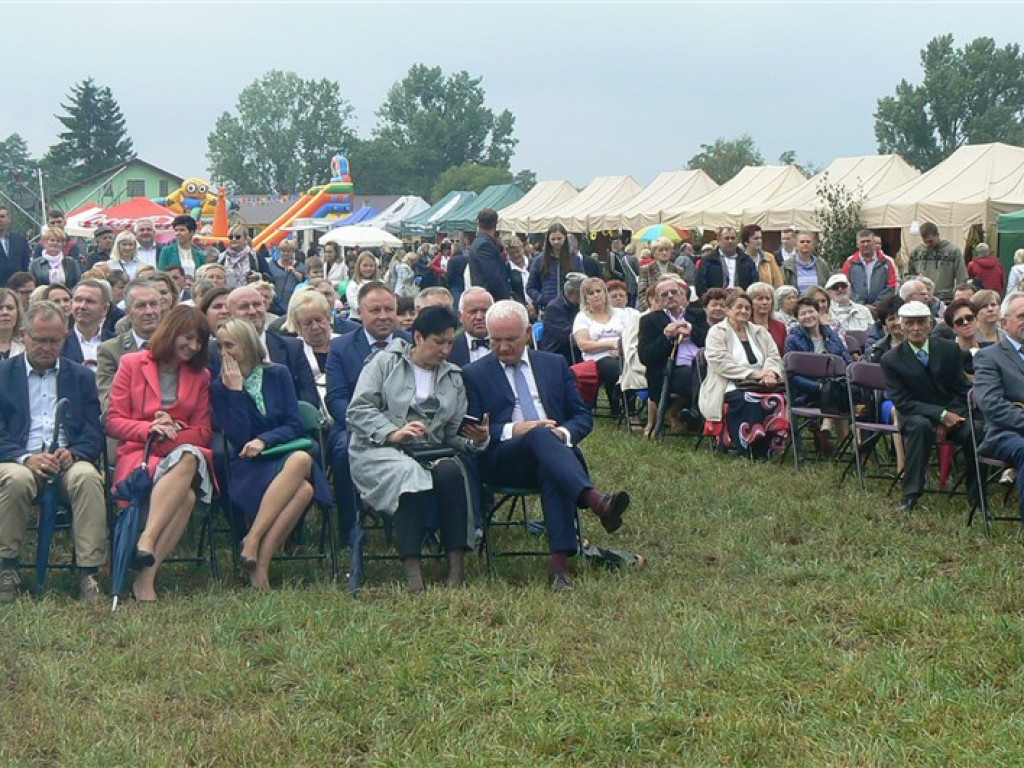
{"x": 81, "y": 486}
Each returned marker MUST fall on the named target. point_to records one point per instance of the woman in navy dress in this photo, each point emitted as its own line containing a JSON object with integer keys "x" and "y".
{"x": 255, "y": 404}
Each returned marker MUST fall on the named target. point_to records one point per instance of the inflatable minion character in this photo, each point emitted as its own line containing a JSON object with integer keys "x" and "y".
{"x": 194, "y": 198}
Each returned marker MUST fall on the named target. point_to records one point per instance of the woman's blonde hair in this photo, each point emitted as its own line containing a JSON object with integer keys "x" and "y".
{"x": 1018, "y": 256}
{"x": 376, "y": 270}
{"x": 56, "y": 232}
{"x": 307, "y": 298}
{"x": 243, "y": 333}
{"x": 661, "y": 242}
{"x": 124, "y": 236}
{"x": 589, "y": 284}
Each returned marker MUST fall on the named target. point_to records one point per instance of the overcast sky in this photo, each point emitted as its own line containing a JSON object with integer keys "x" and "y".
{"x": 596, "y": 89}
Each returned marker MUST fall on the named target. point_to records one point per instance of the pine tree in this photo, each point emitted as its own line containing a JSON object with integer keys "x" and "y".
{"x": 96, "y": 138}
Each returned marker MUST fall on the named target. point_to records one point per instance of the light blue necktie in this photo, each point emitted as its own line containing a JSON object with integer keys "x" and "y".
{"x": 922, "y": 355}
{"x": 523, "y": 393}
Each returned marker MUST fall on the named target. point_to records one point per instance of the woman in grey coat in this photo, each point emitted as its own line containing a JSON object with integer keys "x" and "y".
{"x": 409, "y": 394}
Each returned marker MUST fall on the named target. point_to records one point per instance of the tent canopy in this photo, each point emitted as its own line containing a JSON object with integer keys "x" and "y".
{"x": 392, "y": 216}
{"x": 751, "y": 187}
{"x": 363, "y": 214}
{"x": 425, "y": 222}
{"x": 972, "y": 186}
{"x": 871, "y": 175}
{"x": 1011, "y": 236}
{"x": 602, "y": 193}
{"x": 668, "y": 190}
{"x": 520, "y": 216}
{"x": 462, "y": 218}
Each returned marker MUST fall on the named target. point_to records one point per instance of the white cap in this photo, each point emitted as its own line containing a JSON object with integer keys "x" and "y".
{"x": 915, "y": 309}
{"x": 837, "y": 279}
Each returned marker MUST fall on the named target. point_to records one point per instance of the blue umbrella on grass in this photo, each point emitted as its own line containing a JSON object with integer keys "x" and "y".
{"x": 48, "y": 500}
{"x": 135, "y": 490}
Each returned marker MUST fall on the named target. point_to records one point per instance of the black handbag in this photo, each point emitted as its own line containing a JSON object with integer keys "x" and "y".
{"x": 425, "y": 453}
{"x": 834, "y": 395}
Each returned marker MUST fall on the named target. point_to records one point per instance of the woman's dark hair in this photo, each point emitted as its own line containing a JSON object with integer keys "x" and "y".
{"x": 737, "y": 296}
{"x": 888, "y": 307}
{"x": 955, "y": 306}
{"x": 433, "y": 321}
{"x": 19, "y": 280}
{"x": 179, "y": 321}
{"x": 405, "y": 304}
{"x": 184, "y": 220}
{"x": 715, "y": 294}
{"x": 549, "y": 257}
{"x": 211, "y": 296}
{"x": 805, "y": 302}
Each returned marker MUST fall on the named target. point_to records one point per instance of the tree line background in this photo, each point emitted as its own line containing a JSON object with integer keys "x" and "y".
{"x": 435, "y": 133}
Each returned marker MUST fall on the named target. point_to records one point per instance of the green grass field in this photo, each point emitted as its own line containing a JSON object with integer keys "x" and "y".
{"x": 782, "y": 619}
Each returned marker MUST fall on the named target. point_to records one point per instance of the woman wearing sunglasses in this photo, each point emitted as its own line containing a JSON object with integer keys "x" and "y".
{"x": 962, "y": 319}
{"x": 238, "y": 259}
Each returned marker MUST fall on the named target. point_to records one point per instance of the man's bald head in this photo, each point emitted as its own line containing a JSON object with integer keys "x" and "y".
{"x": 248, "y": 303}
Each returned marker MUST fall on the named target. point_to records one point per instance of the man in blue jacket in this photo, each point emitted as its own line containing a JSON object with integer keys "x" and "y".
{"x": 537, "y": 420}
{"x": 487, "y": 266}
{"x": 31, "y": 384}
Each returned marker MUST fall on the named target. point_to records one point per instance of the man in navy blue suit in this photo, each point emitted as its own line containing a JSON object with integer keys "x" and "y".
{"x": 378, "y": 311}
{"x": 537, "y": 420}
{"x": 31, "y": 384}
{"x": 247, "y": 303}
{"x": 487, "y": 265}
{"x": 472, "y": 343}
{"x": 14, "y": 250}
{"x": 90, "y": 303}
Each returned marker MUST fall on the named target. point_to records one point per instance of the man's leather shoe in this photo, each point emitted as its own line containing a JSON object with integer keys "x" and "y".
{"x": 561, "y": 581}
{"x": 907, "y": 505}
{"x": 609, "y": 510}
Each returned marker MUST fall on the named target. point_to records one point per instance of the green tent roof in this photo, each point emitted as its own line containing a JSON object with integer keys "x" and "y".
{"x": 462, "y": 218}
{"x": 1011, "y": 222}
{"x": 425, "y": 223}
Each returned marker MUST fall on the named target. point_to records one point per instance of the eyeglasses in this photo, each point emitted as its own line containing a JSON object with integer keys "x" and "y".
{"x": 840, "y": 287}
{"x": 963, "y": 320}
{"x": 238, "y": 237}
{"x": 670, "y": 292}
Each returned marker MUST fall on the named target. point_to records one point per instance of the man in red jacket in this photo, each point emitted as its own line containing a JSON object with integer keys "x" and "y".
{"x": 987, "y": 268}
{"x": 871, "y": 273}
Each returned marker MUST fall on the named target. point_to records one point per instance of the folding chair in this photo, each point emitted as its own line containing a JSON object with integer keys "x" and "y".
{"x": 986, "y": 469}
{"x": 514, "y": 502}
{"x": 537, "y": 333}
{"x": 856, "y": 342}
{"x": 326, "y": 551}
{"x": 870, "y": 377}
{"x": 812, "y": 365}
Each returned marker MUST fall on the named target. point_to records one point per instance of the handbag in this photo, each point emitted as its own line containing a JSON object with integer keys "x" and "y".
{"x": 424, "y": 453}
{"x": 283, "y": 449}
{"x": 834, "y": 395}
{"x": 749, "y": 385}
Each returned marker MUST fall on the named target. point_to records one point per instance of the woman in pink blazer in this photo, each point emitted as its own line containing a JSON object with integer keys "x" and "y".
{"x": 165, "y": 391}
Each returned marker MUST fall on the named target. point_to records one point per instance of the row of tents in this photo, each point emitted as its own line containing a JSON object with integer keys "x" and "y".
{"x": 973, "y": 186}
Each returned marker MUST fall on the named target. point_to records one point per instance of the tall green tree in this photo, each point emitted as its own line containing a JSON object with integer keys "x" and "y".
{"x": 470, "y": 177}
{"x": 789, "y": 158}
{"x": 726, "y": 157}
{"x": 18, "y": 178}
{"x": 435, "y": 122}
{"x": 95, "y": 136}
{"x": 838, "y": 216}
{"x": 282, "y": 136}
{"x": 973, "y": 95}
{"x": 525, "y": 179}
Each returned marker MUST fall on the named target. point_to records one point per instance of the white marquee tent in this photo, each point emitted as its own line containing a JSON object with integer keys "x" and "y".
{"x": 668, "y": 190}
{"x": 972, "y": 186}
{"x": 601, "y": 194}
{"x": 870, "y": 175}
{"x": 546, "y": 195}
{"x": 751, "y": 187}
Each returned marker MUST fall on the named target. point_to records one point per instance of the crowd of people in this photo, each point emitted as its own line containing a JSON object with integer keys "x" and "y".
{"x": 449, "y": 370}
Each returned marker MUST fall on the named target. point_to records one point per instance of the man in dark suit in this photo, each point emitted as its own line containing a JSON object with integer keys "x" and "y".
{"x": 247, "y": 303}
{"x": 472, "y": 343}
{"x": 559, "y": 316}
{"x": 143, "y": 305}
{"x": 378, "y": 309}
{"x": 31, "y": 384}
{"x": 14, "y": 250}
{"x": 537, "y": 420}
{"x": 487, "y": 266}
{"x": 90, "y": 302}
{"x": 925, "y": 378}
{"x": 727, "y": 266}
{"x": 999, "y": 391}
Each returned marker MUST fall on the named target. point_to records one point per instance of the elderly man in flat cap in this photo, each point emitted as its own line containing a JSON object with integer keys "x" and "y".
{"x": 925, "y": 378}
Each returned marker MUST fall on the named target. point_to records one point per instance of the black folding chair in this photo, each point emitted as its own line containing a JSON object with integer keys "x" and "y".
{"x": 868, "y": 377}
{"x": 514, "y": 503}
{"x": 986, "y": 469}
{"x": 812, "y": 365}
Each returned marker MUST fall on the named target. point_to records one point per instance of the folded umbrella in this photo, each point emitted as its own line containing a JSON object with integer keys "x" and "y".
{"x": 48, "y": 501}
{"x": 135, "y": 490}
{"x": 666, "y": 385}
